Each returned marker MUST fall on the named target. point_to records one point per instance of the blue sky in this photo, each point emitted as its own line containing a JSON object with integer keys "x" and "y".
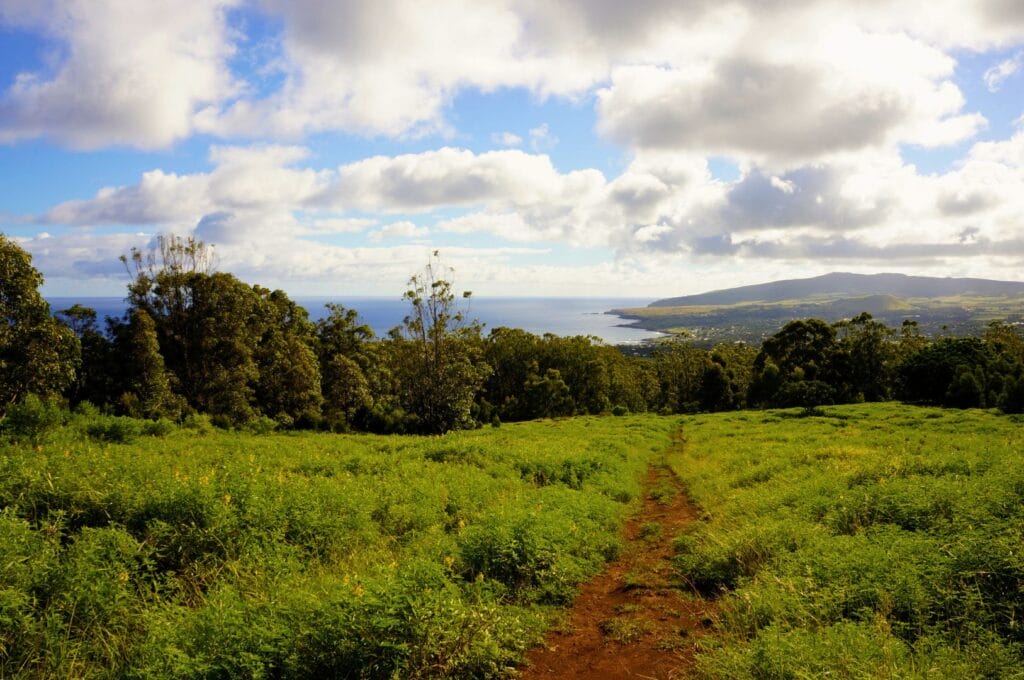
{"x": 578, "y": 148}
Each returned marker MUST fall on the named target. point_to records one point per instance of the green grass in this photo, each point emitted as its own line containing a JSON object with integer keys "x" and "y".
{"x": 211, "y": 554}
{"x": 873, "y": 541}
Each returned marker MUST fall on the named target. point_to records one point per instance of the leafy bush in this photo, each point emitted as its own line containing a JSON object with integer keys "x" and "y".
{"x": 265, "y": 425}
{"x": 158, "y": 428}
{"x": 198, "y": 423}
{"x": 32, "y": 419}
{"x": 116, "y": 429}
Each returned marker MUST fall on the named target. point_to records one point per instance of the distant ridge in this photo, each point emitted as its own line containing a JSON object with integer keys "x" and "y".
{"x": 849, "y": 285}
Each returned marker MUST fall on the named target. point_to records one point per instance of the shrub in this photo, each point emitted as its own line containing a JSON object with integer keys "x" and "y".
{"x": 198, "y": 423}
{"x": 157, "y": 428}
{"x": 265, "y": 425}
{"x": 32, "y": 419}
{"x": 116, "y": 429}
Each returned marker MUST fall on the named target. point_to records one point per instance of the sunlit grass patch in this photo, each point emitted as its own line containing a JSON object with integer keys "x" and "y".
{"x": 886, "y": 547}
{"x": 200, "y": 553}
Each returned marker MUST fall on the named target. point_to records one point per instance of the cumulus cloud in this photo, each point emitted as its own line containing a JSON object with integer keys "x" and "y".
{"x": 129, "y": 73}
{"x": 255, "y": 178}
{"x": 455, "y": 177}
{"x": 780, "y": 106}
{"x": 762, "y": 79}
{"x": 824, "y": 75}
{"x": 871, "y": 205}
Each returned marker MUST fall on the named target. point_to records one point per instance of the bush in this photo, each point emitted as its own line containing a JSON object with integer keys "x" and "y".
{"x": 117, "y": 429}
{"x": 32, "y": 419}
{"x": 265, "y": 425}
{"x": 198, "y": 423}
{"x": 157, "y": 428}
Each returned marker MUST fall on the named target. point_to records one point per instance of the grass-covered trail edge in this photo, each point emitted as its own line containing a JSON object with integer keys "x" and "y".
{"x": 636, "y": 619}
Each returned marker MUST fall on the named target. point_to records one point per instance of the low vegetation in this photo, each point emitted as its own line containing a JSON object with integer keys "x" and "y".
{"x": 869, "y": 541}
{"x": 185, "y": 553}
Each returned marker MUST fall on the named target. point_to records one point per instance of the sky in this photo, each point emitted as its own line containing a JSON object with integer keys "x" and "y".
{"x": 571, "y": 148}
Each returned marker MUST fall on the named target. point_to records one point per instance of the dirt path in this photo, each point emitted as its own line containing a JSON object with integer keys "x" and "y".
{"x": 636, "y": 619}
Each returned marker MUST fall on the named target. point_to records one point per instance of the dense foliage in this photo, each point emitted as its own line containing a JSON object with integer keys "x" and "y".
{"x": 138, "y": 549}
{"x": 37, "y": 354}
{"x": 869, "y": 541}
{"x": 199, "y": 341}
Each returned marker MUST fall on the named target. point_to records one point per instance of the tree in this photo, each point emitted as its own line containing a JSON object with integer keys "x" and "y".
{"x": 716, "y": 389}
{"x": 208, "y": 324}
{"x": 149, "y": 392}
{"x": 869, "y": 356}
{"x": 737, "y": 360}
{"x": 343, "y": 353}
{"x": 803, "y": 350}
{"x": 511, "y": 353}
{"x": 547, "y": 396}
{"x": 927, "y": 376}
{"x": 680, "y": 366}
{"x": 438, "y": 353}
{"x": 37, "y": 353}
{"x": 97, "y": 377}
{"x": 288, "y": 388}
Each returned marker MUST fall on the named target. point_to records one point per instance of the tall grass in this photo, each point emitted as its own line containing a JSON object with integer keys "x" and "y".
{"x": 871, "y": 541}
{"x": 198, "y": 553}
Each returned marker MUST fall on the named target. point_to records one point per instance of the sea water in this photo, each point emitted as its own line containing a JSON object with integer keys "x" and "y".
{"x": 539, "y": 315}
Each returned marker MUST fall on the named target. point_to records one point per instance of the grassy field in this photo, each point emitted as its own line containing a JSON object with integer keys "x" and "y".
{"x": 216, "y": 555}
{"x": 871, "y": 541}
{"x": 876, "y": 541}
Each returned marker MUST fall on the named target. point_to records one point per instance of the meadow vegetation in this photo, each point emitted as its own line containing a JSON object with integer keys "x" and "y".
{"x": 136, "y": 551}
{"x": 866, "y": 541}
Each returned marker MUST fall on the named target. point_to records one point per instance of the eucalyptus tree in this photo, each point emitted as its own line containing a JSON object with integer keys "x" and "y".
{"x": 437, "y": 353}
{"x": 38, "y": 354}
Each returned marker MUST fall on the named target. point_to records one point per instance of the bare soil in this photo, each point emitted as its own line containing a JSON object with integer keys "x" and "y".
{"x": 637, "y": 619}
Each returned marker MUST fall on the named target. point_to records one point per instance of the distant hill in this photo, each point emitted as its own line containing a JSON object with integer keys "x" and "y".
{"x": 750, "y": 313}
{"x": 845, "y": 285}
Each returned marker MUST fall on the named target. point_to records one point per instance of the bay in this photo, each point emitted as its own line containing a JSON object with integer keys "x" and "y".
{"x": 539, "y": 315}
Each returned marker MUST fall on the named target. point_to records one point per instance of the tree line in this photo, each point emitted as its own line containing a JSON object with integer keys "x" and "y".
{"x": 195, "y": 340}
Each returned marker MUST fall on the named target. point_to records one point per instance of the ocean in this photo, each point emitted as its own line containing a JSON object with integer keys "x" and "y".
{"x": 561, "y": 316}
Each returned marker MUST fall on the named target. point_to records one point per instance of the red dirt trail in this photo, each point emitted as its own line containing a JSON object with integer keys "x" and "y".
{"x": 637, "y": 619}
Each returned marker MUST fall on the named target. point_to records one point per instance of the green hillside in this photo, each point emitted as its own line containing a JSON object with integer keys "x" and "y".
{"x": 865, "y": 541}
{"x": 875, "y": 541}
{"x": 845, "y": 285}
{"x": 215, "y": 554}
{"x": 751, "y": 313}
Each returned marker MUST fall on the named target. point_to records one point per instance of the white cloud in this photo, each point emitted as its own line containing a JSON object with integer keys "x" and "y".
{"x": 130, "y": 73}
{"x": 541, "y": 138}
{"x": 995, "y": 76}
{"x": 398, "y": 230}
{"x": 768, "y": 80}
{"x": 340, "y": 225}
{"x": 506, "y": 139}
{"x": 256, "y": 178}
{"x": 772, "y": 104}
{"x": 455, "y": 177}
{"x": 261, "y": 203}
